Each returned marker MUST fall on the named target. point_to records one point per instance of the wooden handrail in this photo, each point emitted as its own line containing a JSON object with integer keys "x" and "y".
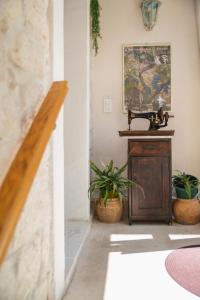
{"x": 16, "y": 185}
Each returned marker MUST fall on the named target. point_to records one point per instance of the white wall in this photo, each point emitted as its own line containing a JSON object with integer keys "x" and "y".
{"x": 76, "y": 115}
{"x": 58, "y": 154}
{"x": 121, "y": 23}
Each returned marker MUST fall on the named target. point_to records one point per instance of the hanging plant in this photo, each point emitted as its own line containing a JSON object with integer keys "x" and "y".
{"x": 95, "y": 24}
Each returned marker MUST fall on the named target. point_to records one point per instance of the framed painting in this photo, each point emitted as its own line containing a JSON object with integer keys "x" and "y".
{"x": 146, "y": 78}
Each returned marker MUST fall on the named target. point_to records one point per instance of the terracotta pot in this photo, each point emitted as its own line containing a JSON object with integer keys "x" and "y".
{"x": 111, "y": 213}
{"x": 187, "y": 211}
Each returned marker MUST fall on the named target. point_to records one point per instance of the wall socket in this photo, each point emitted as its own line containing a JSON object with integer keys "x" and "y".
{"x": 107, "y": 105}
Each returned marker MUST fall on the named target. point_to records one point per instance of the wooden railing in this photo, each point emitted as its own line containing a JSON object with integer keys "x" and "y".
{"x": 16, "y": 185}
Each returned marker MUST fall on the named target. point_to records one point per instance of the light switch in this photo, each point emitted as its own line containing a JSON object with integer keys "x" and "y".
{"x": 107, "y": 105}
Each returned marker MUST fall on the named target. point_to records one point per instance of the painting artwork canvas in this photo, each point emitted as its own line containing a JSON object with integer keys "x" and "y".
{"x": 146, "y": 78}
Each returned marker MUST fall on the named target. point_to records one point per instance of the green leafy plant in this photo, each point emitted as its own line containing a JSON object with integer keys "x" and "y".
{"x": 186, "y": 182}
{"x": 109, "y": 181}
{"x": 95, "y": 24}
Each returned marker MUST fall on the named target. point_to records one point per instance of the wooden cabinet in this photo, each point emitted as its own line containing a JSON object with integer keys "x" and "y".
{"x": 149, "y": 163}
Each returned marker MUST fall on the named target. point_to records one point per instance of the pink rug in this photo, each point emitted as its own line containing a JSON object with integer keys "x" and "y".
{"x": 183, "y": 265}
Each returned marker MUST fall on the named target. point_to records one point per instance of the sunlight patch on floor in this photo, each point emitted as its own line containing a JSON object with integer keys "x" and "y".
{"x": 183, "y": 236}
{"x": 141, "y": 276}
{"x": 130, "y": 237}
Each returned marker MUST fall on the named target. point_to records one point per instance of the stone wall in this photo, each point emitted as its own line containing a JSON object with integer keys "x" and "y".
{"x": 24, "y": 57}
{"x": 24, "y": 80}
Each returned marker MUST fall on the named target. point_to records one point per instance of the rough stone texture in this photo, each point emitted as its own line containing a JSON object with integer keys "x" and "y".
{"x": 24, "y": 65}
{"x": 24, "y": 80}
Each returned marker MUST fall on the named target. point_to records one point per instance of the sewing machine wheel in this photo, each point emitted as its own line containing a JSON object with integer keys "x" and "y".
{"x": 161, "y": 115}
{"x": 166, "y": 117}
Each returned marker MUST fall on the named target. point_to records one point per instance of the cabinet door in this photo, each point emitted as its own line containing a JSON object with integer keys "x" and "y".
{"x": 153, "y": 175}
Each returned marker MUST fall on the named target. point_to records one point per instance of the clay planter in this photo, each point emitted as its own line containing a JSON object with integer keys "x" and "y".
{"x": 112, "y": 213}
{"x": 187, "y": 211}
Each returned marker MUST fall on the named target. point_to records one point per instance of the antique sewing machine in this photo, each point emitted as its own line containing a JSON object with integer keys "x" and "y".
{"x": 157, "y": 119}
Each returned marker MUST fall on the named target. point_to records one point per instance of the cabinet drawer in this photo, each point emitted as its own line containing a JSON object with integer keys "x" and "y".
{"x": 141, "y": 148}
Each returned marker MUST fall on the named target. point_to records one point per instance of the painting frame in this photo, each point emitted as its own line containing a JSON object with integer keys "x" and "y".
{"x": 158, "y": 98}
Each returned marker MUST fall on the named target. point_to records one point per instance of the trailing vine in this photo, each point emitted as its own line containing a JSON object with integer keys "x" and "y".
{"x": 95, "y": 24}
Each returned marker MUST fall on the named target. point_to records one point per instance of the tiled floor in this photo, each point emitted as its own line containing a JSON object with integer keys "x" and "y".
{"x": 120, "y": 262}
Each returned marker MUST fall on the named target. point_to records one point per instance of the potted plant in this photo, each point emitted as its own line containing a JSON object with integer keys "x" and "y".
{"x": 95, "y": 11}
{"x": 111, "y": 185}
{"x": 186, "y": 207}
